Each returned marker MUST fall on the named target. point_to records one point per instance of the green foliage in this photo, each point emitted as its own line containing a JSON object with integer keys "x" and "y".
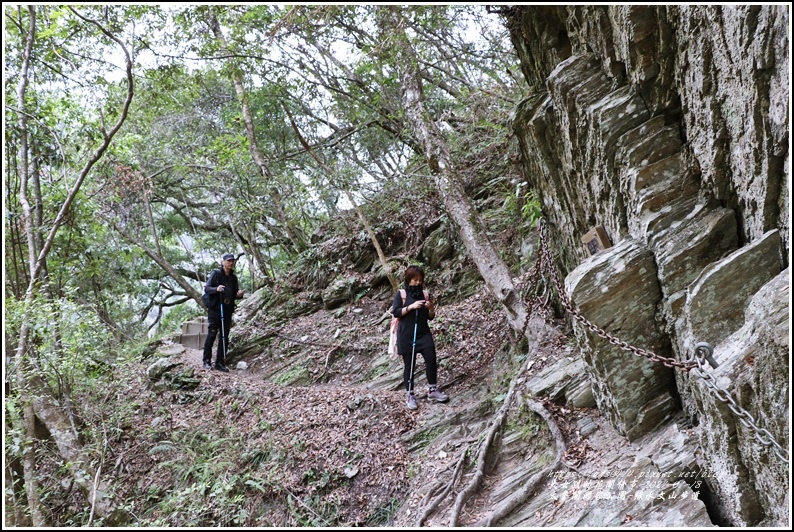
{"x": 216, "y": 481}
{"x": 14, "y": 439}
{"x": 384, "y": 515}
{"x": 185, "y": 129}
{"x": 531, "y": 211}
{"x": 202, "y": 472}
{"x": 184, "y": 159}
{"x": 68, "y": 341}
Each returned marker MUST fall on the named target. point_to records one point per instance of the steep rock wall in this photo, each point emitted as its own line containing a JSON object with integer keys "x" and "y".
{"x": 668, "y": 126}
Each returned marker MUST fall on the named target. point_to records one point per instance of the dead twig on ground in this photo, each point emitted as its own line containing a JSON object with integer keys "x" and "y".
{"x": 383, "y": 317}
{"x": 93, "y": 496}
{"x": 431, "y": 507}
{"x": 328, "y": 356}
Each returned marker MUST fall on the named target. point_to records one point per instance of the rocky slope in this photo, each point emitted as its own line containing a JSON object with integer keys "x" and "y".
{"x": 667, "y": 128}
{"x": 334, "y": 402}
{"x": 657, "y": 139}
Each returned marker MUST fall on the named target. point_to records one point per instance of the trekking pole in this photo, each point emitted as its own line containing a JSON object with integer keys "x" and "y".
{"x": 223, "y": 333}
{"x": 413, "y": 355}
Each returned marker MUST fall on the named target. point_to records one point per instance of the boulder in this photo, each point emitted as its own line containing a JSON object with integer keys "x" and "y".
{"x": 749, "y": 479}
{"x": 617, "y": 290}
{"x": 437, "y": 247}
{"x": 566, "y": 380}
{"x": 171, "y": 374}
{"x": 717, "y": 299}
{"x": 341, "y": 291}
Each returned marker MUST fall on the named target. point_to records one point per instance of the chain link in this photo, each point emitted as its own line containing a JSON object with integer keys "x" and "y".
{"x": 533, "y": 281}
{"x": 544, "y": 264}
{"x": 548, "y": 267}
{"x": 703, "y": 351}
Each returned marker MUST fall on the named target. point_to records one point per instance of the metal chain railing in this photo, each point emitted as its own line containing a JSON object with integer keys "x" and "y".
{"x": 703, "y": 351}
{"x": 551, "y": 270}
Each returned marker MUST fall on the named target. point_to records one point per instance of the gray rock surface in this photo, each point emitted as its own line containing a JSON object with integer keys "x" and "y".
{"x": 169, "y": 372}
{"x": 565, "y": 381}
{"x": 668, "y": 126}
{"x": 654, "y": 482}
{"x": 749, "y": 478}
{"x": 617, "y": 289}
{"x": 717, "y": 298}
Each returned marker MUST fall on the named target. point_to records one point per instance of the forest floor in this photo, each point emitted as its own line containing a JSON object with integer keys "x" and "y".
{"x": 397, "y": 459}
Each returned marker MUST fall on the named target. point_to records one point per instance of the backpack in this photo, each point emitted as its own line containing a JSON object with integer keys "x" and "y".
{"x": 394, "y": 322}
{"x": 207, "y": 299}
{"x": 210, "y": 300}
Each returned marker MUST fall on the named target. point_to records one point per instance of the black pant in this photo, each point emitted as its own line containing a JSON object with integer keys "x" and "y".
{"x": 214, "y": 319}
{"x": 429, "y": 354}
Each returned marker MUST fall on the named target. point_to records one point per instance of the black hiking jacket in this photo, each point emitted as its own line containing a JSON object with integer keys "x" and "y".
{"x": 229, "y": 294}
{"x": 405, "y": 330}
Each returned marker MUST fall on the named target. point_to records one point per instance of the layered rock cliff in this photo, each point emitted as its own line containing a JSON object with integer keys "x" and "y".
{"x": 666, "y": 127}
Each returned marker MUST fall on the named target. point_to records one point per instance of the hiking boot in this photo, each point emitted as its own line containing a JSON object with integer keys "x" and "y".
{"x": 207, "y": 365}
{"x": 411, "y": 402}
{"x": 222, "y": 367}
{"x": 437, "y": 396}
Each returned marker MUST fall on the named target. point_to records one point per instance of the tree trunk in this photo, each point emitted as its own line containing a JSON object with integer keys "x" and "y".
{"x": 374, "y": 238}
{"x": 38, "y": 217}
{"x": 164, "y": 264}
{"x": 492, "y": 268}
{"x": 30, "y": 389}
{"x": 255, "y": 259}
{"x": 28, "y": 421}
{"x": 152, "y": 226}
{"x": 15, "y": 495}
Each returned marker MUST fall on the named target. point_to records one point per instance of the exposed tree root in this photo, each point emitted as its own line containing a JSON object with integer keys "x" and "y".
{"x": 486, "y": 449}
{"x": 535, "y": 332}
{"x": 431, "y": 507}
{"x": 537, "y": 479}
{"x": 489, "y": 446}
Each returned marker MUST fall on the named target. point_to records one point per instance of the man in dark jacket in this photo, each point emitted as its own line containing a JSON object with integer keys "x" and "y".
{"x": 223, "y": 289}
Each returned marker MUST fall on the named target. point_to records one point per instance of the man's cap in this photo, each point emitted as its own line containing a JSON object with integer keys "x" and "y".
{"x": 229, "y": 256}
